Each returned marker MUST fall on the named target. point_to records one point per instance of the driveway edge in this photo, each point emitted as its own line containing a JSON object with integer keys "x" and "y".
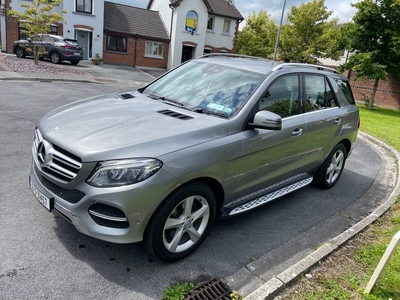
{"x": 275, "y": 285}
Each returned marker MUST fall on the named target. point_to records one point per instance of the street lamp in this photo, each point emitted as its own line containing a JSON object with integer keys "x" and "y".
{"x": 279, "y": 30}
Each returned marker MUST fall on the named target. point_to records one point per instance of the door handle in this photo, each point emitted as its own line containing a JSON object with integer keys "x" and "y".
{"x": 297, "y": 132}
{"x": 338, "y": 120}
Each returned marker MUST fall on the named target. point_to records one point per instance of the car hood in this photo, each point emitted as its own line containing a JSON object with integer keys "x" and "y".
{"x": 111, "y": 127}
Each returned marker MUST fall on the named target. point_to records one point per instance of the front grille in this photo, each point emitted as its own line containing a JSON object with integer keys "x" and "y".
{"x": 55, "y": 161}
{"x": 108, "y": 216}
{"x": 71, "y": 196}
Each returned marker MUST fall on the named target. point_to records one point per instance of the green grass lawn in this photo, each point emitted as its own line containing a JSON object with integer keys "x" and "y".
{"x": 345, "y": 273}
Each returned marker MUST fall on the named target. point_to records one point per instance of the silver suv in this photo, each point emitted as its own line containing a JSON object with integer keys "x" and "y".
{"x": 214, "y": 137}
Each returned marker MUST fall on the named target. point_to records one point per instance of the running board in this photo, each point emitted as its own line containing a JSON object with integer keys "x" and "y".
{"x": 269, "y": 197}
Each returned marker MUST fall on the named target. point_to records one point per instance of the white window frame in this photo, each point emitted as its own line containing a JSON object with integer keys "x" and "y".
{"x": 83, "y": 11}
{"x": 152, "y": 46}
{"x": 226, "y": 21}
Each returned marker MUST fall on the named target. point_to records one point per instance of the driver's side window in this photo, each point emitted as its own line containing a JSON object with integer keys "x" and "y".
{"x": 282, "y": 97}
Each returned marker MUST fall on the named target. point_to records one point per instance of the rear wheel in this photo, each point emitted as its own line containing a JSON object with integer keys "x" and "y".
{"x": 181, "y": 223}
{"x": 55, "y": 58}
{"x": 74, "y": 62}
{"x": 20, "y": 52}
{"x": 329, "y": 172}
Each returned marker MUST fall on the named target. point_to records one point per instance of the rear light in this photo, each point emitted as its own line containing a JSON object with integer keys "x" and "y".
{"x": 66, "y": 46}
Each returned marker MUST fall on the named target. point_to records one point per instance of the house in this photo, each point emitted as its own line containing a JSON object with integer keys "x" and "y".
{"x": 134, "y": 36}
{"x": 165, "y": 34}
{"x": 197, "y": 27}
{"x": 83, "y": 21}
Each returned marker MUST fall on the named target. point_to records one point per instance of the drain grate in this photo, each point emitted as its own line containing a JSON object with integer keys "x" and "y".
{"x": 213, "y": 290}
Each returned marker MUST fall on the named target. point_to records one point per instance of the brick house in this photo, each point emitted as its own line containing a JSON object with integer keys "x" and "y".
{"x": 134, "y": 36}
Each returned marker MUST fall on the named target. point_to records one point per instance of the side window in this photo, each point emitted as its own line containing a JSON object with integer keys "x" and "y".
{"x": 318, "y": 93}
{"x": 282, "y": 97}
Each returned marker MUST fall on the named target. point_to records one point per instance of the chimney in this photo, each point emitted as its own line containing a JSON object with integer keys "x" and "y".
{"x": 231, "y": 2}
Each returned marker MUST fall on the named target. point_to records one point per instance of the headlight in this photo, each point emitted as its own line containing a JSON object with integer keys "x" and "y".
{"x": 115, "y": 173}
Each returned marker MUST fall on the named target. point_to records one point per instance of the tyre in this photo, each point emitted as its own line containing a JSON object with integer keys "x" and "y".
{"x": 74, "y": 62}
{"x": 181, "y": 223}
{"x": 55, "y": 58}
{"x": 20, "y": 52}
{"x": 329, "y": 172}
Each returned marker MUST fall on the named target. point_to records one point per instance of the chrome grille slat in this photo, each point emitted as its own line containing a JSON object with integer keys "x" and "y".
{"x": 53, "y": 160}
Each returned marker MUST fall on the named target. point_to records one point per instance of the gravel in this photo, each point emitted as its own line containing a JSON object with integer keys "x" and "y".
{"x": 47, "y": 68}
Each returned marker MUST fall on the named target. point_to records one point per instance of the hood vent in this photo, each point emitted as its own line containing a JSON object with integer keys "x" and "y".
{"x": 126, "y": 96}
{"x": 174, "y": 114}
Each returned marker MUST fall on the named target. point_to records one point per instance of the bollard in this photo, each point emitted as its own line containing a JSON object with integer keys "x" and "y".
{"x": 383, "y": 262}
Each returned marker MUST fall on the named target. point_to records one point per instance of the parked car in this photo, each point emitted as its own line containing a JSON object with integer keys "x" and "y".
{"x": 213, "y": 138}
{"x": 57, "y": 48}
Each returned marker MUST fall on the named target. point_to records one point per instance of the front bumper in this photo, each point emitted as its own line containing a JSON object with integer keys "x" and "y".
{"x": 129, "y": 208}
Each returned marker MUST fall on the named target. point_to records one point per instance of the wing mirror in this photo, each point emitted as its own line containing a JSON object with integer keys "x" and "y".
{"x": 265, "y": 119}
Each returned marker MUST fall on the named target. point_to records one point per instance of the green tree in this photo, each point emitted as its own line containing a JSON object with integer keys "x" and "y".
{"x": 257, "y": 38}
{"x": 375, "y": 35}
{"x": 37, "y": 18}
{"x": 308, "y": 35}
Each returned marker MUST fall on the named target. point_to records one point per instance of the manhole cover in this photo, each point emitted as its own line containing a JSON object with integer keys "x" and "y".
{"x": 213, "y": 290}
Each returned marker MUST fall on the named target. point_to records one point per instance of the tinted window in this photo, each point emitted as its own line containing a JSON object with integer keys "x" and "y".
{"x": 282, "y": 97}
{"x": 319, "y": 94}
{"x": 345, "y": 88}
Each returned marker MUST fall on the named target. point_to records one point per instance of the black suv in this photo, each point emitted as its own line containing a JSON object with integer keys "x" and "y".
{"x": 58, "y": 48}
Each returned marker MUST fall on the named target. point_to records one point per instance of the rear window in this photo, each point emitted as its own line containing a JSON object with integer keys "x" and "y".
{"x": 345, "y": 87}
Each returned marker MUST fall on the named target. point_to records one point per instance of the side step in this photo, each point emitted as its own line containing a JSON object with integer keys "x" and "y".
{"x": 269, "y": 197}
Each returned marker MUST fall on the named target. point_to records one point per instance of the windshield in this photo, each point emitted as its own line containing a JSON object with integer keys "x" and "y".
{"x": 206, "y": 87}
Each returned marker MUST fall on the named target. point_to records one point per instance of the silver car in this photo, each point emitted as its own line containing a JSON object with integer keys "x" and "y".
{"x": 215, "y": 137}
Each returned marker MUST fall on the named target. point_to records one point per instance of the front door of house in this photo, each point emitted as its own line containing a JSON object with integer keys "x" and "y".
{"x": 187, "y": 53}
{"x": 84, "y": 39}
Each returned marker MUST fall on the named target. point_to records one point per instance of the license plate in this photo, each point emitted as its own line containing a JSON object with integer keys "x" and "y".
{"x": 77, "y": 54}
{"x": 43, "y": 199}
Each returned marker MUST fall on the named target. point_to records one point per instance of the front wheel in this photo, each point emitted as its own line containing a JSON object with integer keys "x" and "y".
{"x": 55, "y": 58}
{"x": 20, "y": 52}
{"x": 329, "y": 172}
{"x": 181, "y": 223}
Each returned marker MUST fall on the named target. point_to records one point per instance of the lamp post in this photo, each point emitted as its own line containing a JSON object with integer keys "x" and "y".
{"x": 279, "y": 30}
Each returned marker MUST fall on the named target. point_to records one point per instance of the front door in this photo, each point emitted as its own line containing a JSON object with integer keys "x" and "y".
{"x": 84, "y": 38}
{"x": 187, "y": 53}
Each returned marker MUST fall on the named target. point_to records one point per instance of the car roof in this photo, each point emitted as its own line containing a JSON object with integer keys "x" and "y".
{"x": 265, "y": 66}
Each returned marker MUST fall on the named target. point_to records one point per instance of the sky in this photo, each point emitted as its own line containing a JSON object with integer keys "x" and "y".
{"x": 341, "y": 8}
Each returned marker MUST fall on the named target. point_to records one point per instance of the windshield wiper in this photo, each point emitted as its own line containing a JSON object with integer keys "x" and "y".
{"x": 166, "y": 100}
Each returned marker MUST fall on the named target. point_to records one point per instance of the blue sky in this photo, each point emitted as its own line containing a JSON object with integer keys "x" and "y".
{"x": 341, "y": 8}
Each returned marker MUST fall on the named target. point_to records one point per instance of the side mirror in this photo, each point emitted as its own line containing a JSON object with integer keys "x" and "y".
{"x": 265, "y": 119}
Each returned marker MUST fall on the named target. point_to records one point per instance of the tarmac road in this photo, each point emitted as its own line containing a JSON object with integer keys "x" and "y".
{"x": 43, "y": 256}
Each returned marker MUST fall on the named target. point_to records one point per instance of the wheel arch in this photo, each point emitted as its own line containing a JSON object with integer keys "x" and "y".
{"x": 347, "y": 145}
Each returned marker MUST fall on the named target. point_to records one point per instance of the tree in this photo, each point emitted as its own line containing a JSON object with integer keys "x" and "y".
{"x": 308, "y": 34}
{"x": 38, "y": 17}
{"x": 257, "y": 38}
{"x": 375, "y": 36}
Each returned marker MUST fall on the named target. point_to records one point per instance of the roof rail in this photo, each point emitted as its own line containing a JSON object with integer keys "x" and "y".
{"x": 318, "y": 67}
{"x": 234, "y": 55}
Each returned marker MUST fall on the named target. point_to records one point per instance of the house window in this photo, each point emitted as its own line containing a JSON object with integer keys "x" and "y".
{"x": 191, "y": 22}
{"x": 116, "y": 43}
{"x": 207, "y": 51}
{"x": 210, "y": 23}
{"x": 154, "y": 49}
{"x": 84, "y": 6}
{"x": 22, "y": 34}
{"x": 227, "y": 26}
{"x": 54, "y": 29}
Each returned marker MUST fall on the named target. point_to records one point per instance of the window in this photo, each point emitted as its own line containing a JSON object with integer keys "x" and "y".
{"x": 54, "y": 29}
{"x": 207, "y": 51}
{"x": 227, "y": 26}
{"x": 116, "y": 43}
{"x": 191, "y": 22}
{"x": 84, "y": 6}
{"x": 282, "y": 97}
{"x": 318, "y": 93}
{"x": 22, "y": 34}
{"x": 210, "y": 23}
{"x": 154, "y": 48}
